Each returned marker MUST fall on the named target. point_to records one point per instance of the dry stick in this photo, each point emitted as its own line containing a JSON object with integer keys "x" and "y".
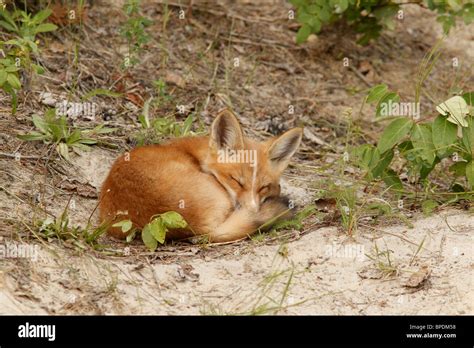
{"x": 359, "y": 75}
{"x": 11, "y": 155}
{"x": 395, "y": 235}
{"x": 12, "y": 194}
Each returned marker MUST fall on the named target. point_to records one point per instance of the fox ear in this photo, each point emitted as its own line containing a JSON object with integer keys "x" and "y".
{"x": 226, "y": 132}
{"x": 284, "y": 147}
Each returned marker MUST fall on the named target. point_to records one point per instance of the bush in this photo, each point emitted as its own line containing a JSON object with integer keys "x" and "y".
{"x": 369, "y": 17}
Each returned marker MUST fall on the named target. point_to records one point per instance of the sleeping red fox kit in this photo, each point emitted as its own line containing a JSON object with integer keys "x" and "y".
{"x": 224, "y": 185}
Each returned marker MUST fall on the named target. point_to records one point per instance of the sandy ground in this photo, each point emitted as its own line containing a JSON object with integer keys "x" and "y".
{"x": 321, "y": 273}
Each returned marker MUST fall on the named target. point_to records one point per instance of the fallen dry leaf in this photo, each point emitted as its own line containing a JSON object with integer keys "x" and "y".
{"x": 419, "y": 277}
{"x": 135, "y": 99}
{"x": 370, "y": 272}
{"x": 175, "y": 79}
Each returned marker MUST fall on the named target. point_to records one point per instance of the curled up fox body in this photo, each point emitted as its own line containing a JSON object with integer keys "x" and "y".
{"x": 224, "y": 185}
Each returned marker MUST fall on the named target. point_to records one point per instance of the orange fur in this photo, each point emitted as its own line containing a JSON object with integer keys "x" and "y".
{"x": 225, "y": 201}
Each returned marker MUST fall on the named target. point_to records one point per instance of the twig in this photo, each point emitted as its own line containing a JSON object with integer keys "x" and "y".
{"x": 11, "y": 155}
{"x": 395, "y": 235}
{"x": 359, "y": 75}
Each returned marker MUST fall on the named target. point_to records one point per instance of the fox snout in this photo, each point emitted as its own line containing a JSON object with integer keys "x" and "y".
{"x": 250, "y": 202}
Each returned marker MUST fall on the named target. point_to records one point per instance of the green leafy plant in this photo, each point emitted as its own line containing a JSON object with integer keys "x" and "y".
{"x": 18, "y": 50}
{"x": 134, "y": 30}
{"x": 27, "y": 26}
{"x": 369, "y": 17}
{"x": 155, "y": 231}
{"x": 59, "y": 227}
{"x": 423, "y": 144}
{"x": 10, "y": 79}
{"x": 382, "y": 262}
{"x": 55, "y": 130}
{"x": 155, "y": 130}
{"x": 161, "y": 94}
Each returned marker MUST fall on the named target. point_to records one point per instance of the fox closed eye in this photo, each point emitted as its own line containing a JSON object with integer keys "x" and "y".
{"x": 264, "y": 189}
{"x": 238, "y": 181}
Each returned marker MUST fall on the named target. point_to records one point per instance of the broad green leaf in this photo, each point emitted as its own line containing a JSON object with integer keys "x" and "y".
{"x": 303, "y": 33}
{"x": 444, "y": 134}
{"x": 40, "y": 124}
{"x": 100, "y": 129}
{"x": 391, "y": 179}
{"x": 144, "y": 117}
{"x": 33, "y": 46}
{"x": 88, "y": 141}
{"x": 457, "y": 109}
{"x": 422, "y": 140}
{"x": 383, "y": 12}
{"x": 7, "y": 88}
{"x": 41, "y": 16}
{"x": 382, "y": 163}
{"x": 469, "y": 97}
{"x": 324, "y": 14}
{"x": 45, "y": 27}
{"x": 74, "y": 137}
{"x": 315, "y": 24}
{"x": 303, "y": 17}
{"x": 343, "y": 5}
{"x": 468, "y": 135}
{"x": 150, "y": 241}
{"x": 312, "y": 9}
{"x": 63, "y": 150}
{"x": 12, "y": 68}
{"x": 455, "y": 5}
{"x": 131, "y": 235}
{"x": 33, "y": 136}
{"x": 13, "y": 81}
{"x": 3, "y": 77}
{"x": 376, "y": 93}
{"x": 7, "y": 26}
{"x": 5, "y": 14}
{"x": 458, "y": 169}
{"x": 426, "y": 170}
{"x": 470, "y": 174}
{"x": 6, "y": 61}
{"x": 172, "y": 219}
{"x": 80, "y": 146}
{"x": 158, "y": 229}
{"x": 394, "y": 133}
{"x": 188, "y": 122}
{"x": 384, "y": 106}
{"x": 125, "y": 225}
{"x": 38, "y": 69}
{"x": 428, "y": 206}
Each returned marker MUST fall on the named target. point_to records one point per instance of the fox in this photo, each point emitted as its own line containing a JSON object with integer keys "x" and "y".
{"x": 225, "y": 185}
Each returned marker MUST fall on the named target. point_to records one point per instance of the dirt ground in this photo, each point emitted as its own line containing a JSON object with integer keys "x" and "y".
{"x": 317, "y": 270}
